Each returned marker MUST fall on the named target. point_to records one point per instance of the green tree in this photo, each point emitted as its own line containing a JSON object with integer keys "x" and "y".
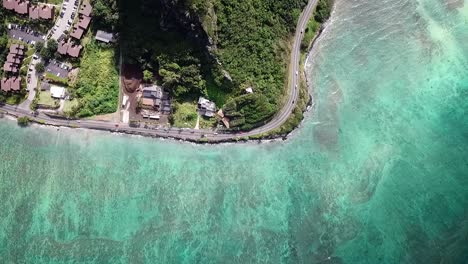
{"x": 23, "y": 121}
{"x": 39, "y": 46}
{"x": 147, "y": 76}
{"x": 40, "y": 67}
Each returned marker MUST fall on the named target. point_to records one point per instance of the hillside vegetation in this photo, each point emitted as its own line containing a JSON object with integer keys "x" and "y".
{"x": 248, "y": 42}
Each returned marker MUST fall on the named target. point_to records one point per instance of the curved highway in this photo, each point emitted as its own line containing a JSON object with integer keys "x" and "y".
{"x": 192, "y": 134}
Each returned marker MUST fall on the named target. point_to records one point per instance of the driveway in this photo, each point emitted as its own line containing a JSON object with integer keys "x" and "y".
{"x": 31, "y": 86}
{"x": 23, "y": 35}
{"x": 61, "y": 24}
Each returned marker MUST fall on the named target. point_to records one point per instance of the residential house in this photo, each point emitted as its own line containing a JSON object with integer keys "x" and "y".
{"x": 46, "y": 12}
{"x": 206, "y": 107}
{"x": 11, "y": 84}
{"x": 22, "y": 7}
{"x": 84, "y": 22}
{"x": 34, "y": 12}
{"x": 67, "y": 48}
{"x": 6, "y": 85}
{"x": 152, "y": 96}
{"x": 15, "y": 84}
{"x": 104, "y": 36}
{"x": 77, "y": 33}
{"x": 86, "y": 9}
{"x": 9, "y": 4}
{"x": 57, "y": 92}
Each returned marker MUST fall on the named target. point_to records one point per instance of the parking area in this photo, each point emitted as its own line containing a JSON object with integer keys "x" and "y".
{"x": 24, "y": 34}
{"x": 65, "y": 19}
{"x": 57, "y": 68}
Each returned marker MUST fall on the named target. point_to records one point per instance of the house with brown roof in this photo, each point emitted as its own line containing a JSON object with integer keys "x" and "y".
{"x": 6, "y": 84}
{"x": 74, "y": 51}
{"x": 77, "y": 33}
{"x": 9, "y": 4}
{"x": 11, "y": 84}
{"x": 17, "y": 49}
{"x": 22, "y": 7}
{"x": 84, "y": 22}
{"x": 10, "y": 67}
{"x": 63, "y": 47}
{"x": 13, "y": 58}
{"x": 86, "y": 9}
{"x": 46, "y": 12}
{"x": 15, "y": 83}
{"x": 33, "y": 12}
{"x": 67, "y": 48}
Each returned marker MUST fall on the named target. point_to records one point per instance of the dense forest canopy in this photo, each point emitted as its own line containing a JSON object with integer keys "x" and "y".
{"x": 247, "y": 44}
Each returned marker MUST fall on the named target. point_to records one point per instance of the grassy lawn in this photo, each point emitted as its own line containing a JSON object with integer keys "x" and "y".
{"x": 55, "y": 79}
{"x": 14, "y": 99}
{"x": 97, "y": 87}
{"x": 54, "y": 2}
{"x": 206, "y": 122}
{"x": 46, "y": 99}
{"x": 69, "y": 105}
{"x": 185, "y": 115}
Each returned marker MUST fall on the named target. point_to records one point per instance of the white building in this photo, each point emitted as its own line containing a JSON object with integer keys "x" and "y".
{"x": 206, "y": 107}
{"x": 57, "y": 92}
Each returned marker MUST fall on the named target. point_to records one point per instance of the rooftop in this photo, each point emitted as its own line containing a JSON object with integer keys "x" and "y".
{"x": 104, "y": 36}
{"x": 6, "y": 84}
{"x": 77, "y": 33}
{"x": 84, "y": 22}
{"x": 15, "y": 83}
{"x": 46, "y": 12}
{"x": 74, "y": 50}
{"x": 22, "y": 7}
{"x": 154, "y": 92}
{"x": 9, "y": 4}
{"x": 33, "y": 12}
{"x": 57, "y": 92}
{"x": 86, "y": 9}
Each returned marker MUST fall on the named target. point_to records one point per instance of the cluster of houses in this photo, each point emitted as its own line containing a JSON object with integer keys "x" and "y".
{"x": 12, "y": 67}
{"x": 68, "y": 47}
{"x": 21, "y": 7}
{"x": 83, "y": 23}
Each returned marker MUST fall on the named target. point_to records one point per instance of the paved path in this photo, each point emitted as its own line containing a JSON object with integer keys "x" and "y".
{"x": 192, "y": 134}
{"x": 31, "y": 86}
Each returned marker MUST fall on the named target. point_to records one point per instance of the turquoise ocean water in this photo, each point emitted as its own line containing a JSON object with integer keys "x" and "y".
{"x": 378, "y": 173}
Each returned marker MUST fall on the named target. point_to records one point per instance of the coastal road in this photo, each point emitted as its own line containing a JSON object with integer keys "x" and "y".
{"x": 192, "y": 134}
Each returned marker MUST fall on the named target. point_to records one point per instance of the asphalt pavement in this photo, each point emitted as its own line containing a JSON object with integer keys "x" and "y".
{"x": 61, "y": 24}
{"x": 192, "y": 134}
{"x": 23, "y": 35}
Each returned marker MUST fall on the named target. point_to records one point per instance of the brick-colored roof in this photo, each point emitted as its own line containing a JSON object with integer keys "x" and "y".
{"x": 10, "y": 67}
{"x": 74, "y": 51}
{"x": 9, "y": 4}
{"x": 77, "y": 33}
{"x": 6, "y": 84}
{"x": 33, "y": 12}
{"x": 16, "y": 83}
{"x": 13, "y": 58}
{"x": 46, "y": 12}
{"x": 63, "y": 47}
{"x": 86, "y": 9}
{"x": 84, "y": 22}
{"x": 22, "y": 7}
